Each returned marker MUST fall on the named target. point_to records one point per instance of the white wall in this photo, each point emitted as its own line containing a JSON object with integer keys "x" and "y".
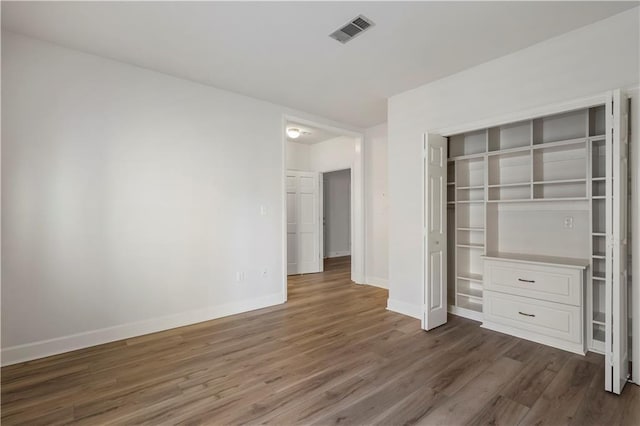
{"x": 376, "y": 206}
{"x": 337, "y": 213}
{"x": 333, "y": 154}
{"x": 585, "y": 62}
{"x": 298, "y": 156}
{"x": 130, "y": 200}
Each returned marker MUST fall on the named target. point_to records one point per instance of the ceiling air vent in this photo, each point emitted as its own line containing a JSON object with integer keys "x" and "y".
{"x": 354, "y": 28}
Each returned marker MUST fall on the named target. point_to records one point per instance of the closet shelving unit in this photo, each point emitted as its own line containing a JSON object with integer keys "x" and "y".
{"x": 598, "y": 200}
{"x": 533, "y": 187}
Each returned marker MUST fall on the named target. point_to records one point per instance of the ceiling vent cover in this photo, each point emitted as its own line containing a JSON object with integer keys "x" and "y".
{"x": 354, "y": 28}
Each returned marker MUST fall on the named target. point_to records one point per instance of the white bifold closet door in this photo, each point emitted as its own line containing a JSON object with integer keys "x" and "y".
{"x": 303, "y": 223}
{"x": 616, "y": 269}
{"x": 435, "y": 232}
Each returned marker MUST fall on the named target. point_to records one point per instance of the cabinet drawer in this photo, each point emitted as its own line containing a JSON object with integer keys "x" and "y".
{"x": 555, "y": 284}
{"x": 537, "y": 316}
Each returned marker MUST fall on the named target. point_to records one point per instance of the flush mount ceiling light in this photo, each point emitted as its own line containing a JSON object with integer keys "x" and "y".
{"x": 293, "y": 133}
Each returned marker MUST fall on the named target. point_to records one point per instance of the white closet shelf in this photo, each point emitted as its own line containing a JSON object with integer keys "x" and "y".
{"x": 598, "y": 234}
{"x": 510, "y": 150}
{"x": 598, "y": 317}
{"x": 477, "y": 296}
{"x": 575, "y": 141}
{"x": 451, "y": 183}
{"x": 597, "y": 138}
{"x": 505, "y": 185}
{"x": 471, "y": 277}
{"x": 517, "y": 200}
{"x": 471, "y": 187}
{"x": 562, "y": 199}
{"x": 470, "y": 202}
{"x": 596, "y": 179}
{"x": 471, "y": 246}
{"x": 559, "y": 181}
{"x": 599, "y": 278}
{"x": 568, "y": 262}
{"x": 476, "y": 229}
{"x": 598, "y": 197}
{"x": 470, "y": 303}
{"x": 599, "y": 333}
{"x": 468, "y": 156}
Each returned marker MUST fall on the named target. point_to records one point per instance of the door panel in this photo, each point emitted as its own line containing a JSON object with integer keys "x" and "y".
{"x": 616, "y": 338}
{"x": 303, "y": 223}
{"x": 435, "y": 233}
{"x": 292, "y": 223}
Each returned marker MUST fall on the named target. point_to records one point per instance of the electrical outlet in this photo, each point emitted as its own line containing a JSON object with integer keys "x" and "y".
{"x": 568, "y": 222}
{"x": 240, "y": 276}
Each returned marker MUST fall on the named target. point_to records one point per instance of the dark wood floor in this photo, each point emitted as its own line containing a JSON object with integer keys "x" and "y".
{"x": 331, "y": 355}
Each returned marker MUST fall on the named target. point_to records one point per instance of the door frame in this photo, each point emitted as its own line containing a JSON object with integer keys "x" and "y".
{"x": 634, "y": 165}
{"x": 357, "y": 198}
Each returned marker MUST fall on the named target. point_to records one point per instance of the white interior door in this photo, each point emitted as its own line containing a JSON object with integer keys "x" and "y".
{"x": 292, "y": 222}
{"x": 435, "y": 232}
{"x": 303, "y": 223}
{"x": 616, "y": 338}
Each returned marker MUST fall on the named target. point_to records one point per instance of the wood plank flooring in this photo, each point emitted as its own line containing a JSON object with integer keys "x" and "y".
{"x": 331, "y": 355}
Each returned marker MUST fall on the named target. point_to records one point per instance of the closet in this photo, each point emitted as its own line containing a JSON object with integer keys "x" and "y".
{"x": 525, "y": 229}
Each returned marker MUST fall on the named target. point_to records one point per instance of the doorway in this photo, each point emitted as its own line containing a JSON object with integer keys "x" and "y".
{"x": 311, "y": 153}
{"x": 336, "y": 223}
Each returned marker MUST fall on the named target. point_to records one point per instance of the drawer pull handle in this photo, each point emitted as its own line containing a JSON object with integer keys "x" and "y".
{"x": 526, "y": 281}
{"x": 526, "y": 315}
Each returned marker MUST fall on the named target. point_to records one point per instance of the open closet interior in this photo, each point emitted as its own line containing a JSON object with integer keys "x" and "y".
{"x": 534, "y": 189}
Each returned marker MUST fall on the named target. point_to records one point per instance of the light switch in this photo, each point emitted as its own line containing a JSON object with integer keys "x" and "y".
{"x": 263, "y": 210}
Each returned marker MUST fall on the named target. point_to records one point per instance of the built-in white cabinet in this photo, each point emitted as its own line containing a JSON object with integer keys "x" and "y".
{"x": 541, "y": 188}
{"x": 539, "y": 298}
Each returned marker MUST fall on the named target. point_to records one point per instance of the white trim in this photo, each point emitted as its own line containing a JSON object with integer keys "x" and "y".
{"x": 358, "y": 220}
{"x": 423, "y": 248}
{"x": 338, "y": 254}
{"x": 528, "y": 114}
{"x": 377, "y": 282}
{"x": 404, "y": 308}
{"x": 320, "y": 219}
{"x": 283, "y": 208}
{"x": 35, "y": 350}
{"x": 634, "y": 223}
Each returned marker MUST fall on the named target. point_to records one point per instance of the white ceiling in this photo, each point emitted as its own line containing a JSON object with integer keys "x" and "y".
{"x": 281, "y": 52}
{"x": 311, "y": 135}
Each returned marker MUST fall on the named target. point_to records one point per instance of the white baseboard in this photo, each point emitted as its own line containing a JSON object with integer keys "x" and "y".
{"x": 338, "y": 254}
{"x": 409, "y": 309}
{"x": 41, "y": 349}
{"x": 377, "y": 282}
